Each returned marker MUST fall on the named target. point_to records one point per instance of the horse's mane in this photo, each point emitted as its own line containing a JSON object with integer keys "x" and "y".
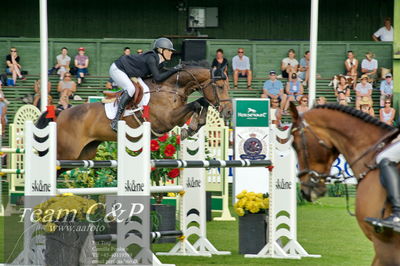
{"x": 196, "y": 64}
{"x": 355, "y": 113}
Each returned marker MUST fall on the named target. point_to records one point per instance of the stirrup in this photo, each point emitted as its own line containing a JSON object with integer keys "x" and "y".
{"x": 392, "y": 222}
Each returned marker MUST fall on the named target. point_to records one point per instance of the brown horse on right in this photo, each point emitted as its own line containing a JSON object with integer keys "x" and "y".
{"x": 324, "y": 132}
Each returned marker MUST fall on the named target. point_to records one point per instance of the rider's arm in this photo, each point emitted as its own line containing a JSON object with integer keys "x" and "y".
{"x": 157, "y": 75}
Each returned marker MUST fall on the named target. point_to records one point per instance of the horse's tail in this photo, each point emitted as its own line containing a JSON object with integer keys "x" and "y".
{"x": 43, "y": 121}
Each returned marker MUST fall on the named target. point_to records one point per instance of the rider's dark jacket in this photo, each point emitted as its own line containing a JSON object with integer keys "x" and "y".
{"x": 144, "y": 65}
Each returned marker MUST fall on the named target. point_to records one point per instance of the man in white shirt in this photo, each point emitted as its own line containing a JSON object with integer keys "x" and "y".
{"x": 369, "y": 66}
{"x": 385, "y": 34}
{"x": 241, "y": 68}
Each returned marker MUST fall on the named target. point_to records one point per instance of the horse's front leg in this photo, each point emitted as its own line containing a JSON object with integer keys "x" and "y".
{"x": 203, "y": 112}
{"x": 182, "y": 114}
{"x": 198, "y": 120}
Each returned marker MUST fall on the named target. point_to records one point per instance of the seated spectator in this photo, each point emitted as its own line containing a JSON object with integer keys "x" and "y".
{"x": 342, "y": 92}
{"x": 63, "y": 104}
{"x": 127, "y": 51}
{"x": 384, "y": 34}
{"x": 369, "y": 67}
{"x": 363, "y": 89}
{"x": 276, "y": 112}
{"x": 63, "y": 61}
{"x": 303, "y": 106}
{"x": 289, "y": 64}
{"x": 3, "y": 112}
{"x": 366, "y": 106}
{"x": 386, "y": 89}
{"x": 273, "y": 89}
{"x": 111, "y": 85}
{"x": 294, "y": 91}
{"x": 139, "y": 51}
{"x": 351, "y": 65}
{"x": 67, "y": 86}
{"x": 241, "y": 68}
{"x": 36, "y": 98}
{"x": 82, "y": 64}
{"x": 13, "y": 66}
{"x": 387, "y": 113}
{"x": 220, "y": 64}
{"x": 321, "y": 100}
{"x": 304, "y": 68}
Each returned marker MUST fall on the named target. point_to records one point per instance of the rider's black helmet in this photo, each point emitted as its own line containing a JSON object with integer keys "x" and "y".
{"x": 163, "y": 43}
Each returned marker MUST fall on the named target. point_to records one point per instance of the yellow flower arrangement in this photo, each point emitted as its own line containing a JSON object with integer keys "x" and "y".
{"x": 251, "y": 202}
{"x": 64, "y": 207}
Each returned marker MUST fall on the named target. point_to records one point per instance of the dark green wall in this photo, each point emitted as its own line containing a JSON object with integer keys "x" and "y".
{"x": 253, "y": 19}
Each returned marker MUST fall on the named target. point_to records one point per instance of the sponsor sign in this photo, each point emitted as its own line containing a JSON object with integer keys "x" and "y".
{"x": 252, "y": 113}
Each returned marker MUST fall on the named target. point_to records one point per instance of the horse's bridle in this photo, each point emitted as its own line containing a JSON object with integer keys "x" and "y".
{"x": 201, "y": 89}
{"x": 315, "y": 176}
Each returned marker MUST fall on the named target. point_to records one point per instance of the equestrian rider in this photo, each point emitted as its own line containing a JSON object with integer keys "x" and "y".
{"x": 140, "y": 66}
{"x": 387, "y": 161}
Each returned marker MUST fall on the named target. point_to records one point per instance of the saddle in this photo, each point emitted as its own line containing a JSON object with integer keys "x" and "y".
{"x": 113, "y": 96}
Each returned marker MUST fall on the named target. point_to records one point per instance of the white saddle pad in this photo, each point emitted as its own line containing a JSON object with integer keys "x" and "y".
{"x": 111, "y": 108}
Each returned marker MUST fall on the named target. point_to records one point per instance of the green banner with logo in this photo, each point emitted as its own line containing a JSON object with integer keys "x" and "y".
{"x": 251, "y": 113}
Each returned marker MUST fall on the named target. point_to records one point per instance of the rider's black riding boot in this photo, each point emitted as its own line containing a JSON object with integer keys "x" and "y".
{"x": 390, "y": 179}
{"x": 123, "y": 100}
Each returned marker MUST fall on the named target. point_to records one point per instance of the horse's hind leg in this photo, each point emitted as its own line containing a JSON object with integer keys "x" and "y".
{"x": 89, "y": 151}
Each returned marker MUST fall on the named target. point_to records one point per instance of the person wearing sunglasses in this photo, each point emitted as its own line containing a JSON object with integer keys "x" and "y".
{"x": 303, "y": 104}
{"x": 13, "y": 66}
{"x": 294, "y": 91}
{"x": 387, "y": 113}
{"x": 276, "y": 112}
{"x": 273, "y": 89}
{"x": 241, "y": 68}
{"x": 386, "y": 89}
{"x": 66, "y": 87}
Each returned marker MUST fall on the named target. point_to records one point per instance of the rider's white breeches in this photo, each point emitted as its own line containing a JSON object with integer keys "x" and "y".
{"x": 122, "y": 79}
{"x": 392, "y": 153}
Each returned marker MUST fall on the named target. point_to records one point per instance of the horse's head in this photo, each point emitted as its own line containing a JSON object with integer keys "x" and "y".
{"x": 214, "y": 88}
{"x": 220, "y": 83}
{"x": 315, "y": 155}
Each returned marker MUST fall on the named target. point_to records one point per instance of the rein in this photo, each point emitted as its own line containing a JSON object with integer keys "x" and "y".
{"x": 315, "y": 176}
{"x": 201, "y": 89}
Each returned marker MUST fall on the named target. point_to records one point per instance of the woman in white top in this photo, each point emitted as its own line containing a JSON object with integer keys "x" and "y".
{"x": 342, "y": 92}
{"x": 276, "y": 112}
{"x": 63, "y": 61}
{"x": 351, "y": 65}
{"x": 387, "y": 113}
{"x": 289, "y": 64}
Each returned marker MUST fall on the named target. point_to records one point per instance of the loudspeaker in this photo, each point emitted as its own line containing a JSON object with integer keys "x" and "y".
{"x": 194, "y": 50}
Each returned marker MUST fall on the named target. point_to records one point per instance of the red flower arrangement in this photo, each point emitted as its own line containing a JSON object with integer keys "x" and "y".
{"x": 164, "y": 147}
{"x": 174, "y": 173}
{"x": 154, "y": 146}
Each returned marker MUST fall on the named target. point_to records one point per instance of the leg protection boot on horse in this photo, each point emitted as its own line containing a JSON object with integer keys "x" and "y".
{"x": 390, "y": 180}
{"x": 123, "y": 101}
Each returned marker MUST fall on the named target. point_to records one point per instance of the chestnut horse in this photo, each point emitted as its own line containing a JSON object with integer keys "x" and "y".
{"x": 82, "y": 128}
{"x": 324, "y": 132}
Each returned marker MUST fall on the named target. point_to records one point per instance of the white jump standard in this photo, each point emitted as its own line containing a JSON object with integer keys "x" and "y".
{"x": 132, "y": 171}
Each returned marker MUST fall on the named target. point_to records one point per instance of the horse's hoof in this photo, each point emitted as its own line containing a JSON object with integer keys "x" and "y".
{"x": 184, "y": 133}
